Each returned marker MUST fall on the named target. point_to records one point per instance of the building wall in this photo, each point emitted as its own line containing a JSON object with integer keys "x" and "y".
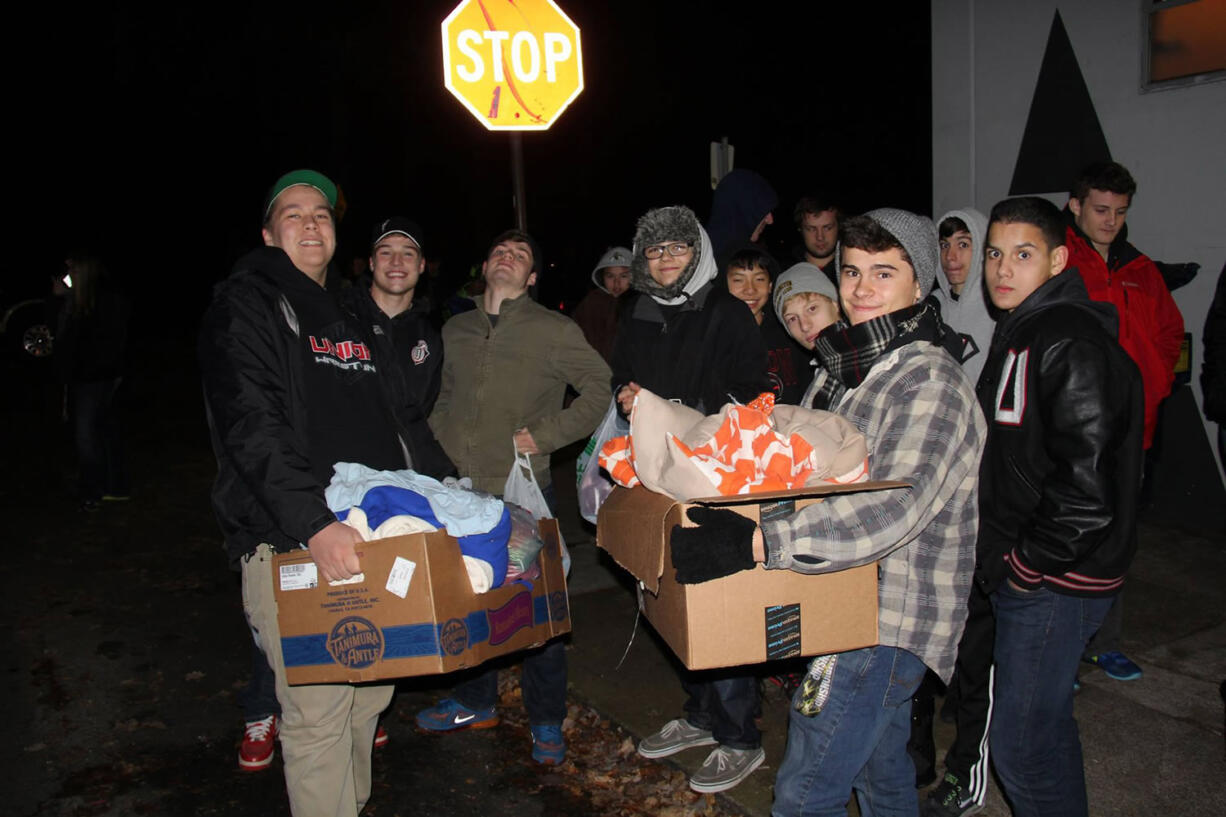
{"x": 985, "y": 62}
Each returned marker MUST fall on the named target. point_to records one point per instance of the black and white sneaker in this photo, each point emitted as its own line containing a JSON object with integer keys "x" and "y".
{"x": 949, "y": 799}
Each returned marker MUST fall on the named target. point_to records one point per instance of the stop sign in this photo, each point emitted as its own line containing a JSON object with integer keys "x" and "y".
{"x": 516, "y": 64}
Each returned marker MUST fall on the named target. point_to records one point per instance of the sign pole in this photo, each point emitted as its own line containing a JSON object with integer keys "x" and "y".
{"x": 515, "y": 65}
{"x": 517, "y": 181}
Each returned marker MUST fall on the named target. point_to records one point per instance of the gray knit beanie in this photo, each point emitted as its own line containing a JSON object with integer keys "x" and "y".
{"x": 799, "y": 279}
{"x": 676, "y": 223}
{"x": 918, "y": 236}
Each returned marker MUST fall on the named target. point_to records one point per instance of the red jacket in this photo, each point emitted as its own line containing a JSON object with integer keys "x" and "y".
{"x": 1151, "y": 327}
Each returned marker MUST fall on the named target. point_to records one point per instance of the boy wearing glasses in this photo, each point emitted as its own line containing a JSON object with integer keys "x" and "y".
{"x": 688, "y": 340}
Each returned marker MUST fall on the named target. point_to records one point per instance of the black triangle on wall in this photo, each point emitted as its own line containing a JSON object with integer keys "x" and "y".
{"x": 1062, "y": 131}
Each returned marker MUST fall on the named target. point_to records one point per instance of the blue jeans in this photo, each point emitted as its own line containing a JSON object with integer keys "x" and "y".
{"x": 543, "y": 678}
{"x": 543, "y": 682}
{"x": 259, "y": 699}
{"x": 858, "y": 742}
{"x": 1040, "y": 636}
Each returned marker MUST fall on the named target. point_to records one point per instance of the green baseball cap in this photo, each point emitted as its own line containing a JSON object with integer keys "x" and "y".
{"x": 311, "y": 178}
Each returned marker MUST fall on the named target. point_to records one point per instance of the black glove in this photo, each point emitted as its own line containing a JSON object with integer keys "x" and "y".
{"x": 1177, "y": 275}
{"x": 721, "y": 545}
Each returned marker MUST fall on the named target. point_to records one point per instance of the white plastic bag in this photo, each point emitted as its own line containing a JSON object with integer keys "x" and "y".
{"x": 592, "y": 484}
{"x": 522, "y": 489}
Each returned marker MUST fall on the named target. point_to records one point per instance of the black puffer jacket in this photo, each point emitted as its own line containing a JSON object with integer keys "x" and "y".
{"x": 705, "y": 352}
{"x": 1060, "y": 474}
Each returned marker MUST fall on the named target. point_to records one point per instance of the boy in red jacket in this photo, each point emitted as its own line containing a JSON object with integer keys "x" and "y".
{"x": 1151, "y": 328}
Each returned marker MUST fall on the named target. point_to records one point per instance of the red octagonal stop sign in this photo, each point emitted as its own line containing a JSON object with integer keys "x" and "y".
{"x": 515, "y": 65}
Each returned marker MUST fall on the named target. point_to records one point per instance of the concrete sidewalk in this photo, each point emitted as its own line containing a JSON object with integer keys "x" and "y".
{"x": 1151, "y": 746}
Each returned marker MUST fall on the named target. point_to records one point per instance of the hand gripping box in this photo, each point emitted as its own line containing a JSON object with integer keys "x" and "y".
{"x": 749, "y": 617}
{"x": 413, "y": 612}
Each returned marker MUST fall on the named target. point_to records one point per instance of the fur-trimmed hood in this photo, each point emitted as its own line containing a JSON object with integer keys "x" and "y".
{"x": 675, "y": 223}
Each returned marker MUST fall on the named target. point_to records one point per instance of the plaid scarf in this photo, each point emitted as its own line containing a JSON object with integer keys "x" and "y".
{"x": 847, "y": 353}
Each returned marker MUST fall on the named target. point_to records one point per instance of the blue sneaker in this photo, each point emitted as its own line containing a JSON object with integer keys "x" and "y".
{"x": 548, "y": 745}
{"x": 1116, "y": 665}
{"x": 450, "y": 715}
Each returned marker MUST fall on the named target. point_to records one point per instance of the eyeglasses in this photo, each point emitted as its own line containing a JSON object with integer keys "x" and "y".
{"x": 675, "y": 249}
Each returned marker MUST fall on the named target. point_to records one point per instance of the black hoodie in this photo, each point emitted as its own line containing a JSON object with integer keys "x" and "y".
{"x": 409, "y": 355}
{"x": 290, "y": 388}
{"x": 1060, "y": 474}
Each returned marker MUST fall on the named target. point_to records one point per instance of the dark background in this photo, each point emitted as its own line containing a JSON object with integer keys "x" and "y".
{"x": 153, "y": 132}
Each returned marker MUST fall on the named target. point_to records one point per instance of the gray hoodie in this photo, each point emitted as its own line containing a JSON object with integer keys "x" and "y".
{"x": 968, "y": 314}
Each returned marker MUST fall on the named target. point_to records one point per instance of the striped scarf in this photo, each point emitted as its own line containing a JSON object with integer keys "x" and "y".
{"x": 847, "y": 353}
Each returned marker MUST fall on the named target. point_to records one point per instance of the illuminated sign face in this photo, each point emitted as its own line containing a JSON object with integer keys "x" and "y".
{"x": 514, "y": 65}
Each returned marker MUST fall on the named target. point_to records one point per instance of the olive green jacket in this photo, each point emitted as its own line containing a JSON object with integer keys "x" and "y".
{"x": 497, "y": 379}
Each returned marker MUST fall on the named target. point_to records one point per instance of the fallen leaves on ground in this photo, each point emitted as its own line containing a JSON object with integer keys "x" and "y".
{"x": 604, "y": 769}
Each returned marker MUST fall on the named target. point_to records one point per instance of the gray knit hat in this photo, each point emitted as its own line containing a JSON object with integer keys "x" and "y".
{"x": 676, "y": 223}
{"x": 918, "y": 236}
{"x": 799, "y": 279}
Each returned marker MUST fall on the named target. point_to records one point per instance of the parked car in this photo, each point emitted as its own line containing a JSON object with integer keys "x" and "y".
{"x": 27, "y": 326}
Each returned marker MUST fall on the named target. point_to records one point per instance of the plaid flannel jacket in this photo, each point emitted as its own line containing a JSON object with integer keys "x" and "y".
{"x": 918, "y": 411}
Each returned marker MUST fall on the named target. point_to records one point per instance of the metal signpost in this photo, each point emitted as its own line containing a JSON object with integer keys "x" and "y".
{"x": 515, "y": 65}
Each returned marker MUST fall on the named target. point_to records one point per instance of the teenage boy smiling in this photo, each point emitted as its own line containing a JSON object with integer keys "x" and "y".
{"x": 887, "y": 371}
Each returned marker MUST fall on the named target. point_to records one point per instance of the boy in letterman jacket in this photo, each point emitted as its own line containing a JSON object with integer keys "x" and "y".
{"x": 1058, "y": 487}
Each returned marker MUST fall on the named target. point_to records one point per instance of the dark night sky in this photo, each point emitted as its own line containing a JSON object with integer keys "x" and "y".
{"x": 154, "y": 131}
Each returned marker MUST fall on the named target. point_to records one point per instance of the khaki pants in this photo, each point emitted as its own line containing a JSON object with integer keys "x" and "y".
{"x": 327, "y": 730}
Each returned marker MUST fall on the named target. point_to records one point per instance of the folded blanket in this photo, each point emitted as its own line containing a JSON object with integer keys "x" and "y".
{"x": 383, "y": 500}
{"x": 755, "y": 448}
{"x": 480, "y": 572}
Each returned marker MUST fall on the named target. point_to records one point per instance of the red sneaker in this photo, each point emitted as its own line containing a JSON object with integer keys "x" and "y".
{"x": 259, "y": 743}
{"x": 381, "y": 738}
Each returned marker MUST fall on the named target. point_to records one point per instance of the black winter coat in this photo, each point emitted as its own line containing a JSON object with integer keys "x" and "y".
{"x": 705, "y": 353}
{"x": 1213, "y": 374}
{"x": 253, "y": 358}
{"x": 1061, "y": 471}
{"x": 409, "y": 353}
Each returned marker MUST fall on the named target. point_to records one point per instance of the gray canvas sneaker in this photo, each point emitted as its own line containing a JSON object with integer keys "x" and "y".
{"x": 675, "y": 736}
{"x": 726, "y": 767}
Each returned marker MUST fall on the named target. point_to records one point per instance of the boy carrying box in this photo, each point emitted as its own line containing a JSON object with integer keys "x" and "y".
{"x": 887, "y": 371}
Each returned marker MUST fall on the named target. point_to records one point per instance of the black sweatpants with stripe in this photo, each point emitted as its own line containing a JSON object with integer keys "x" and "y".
{"x": 967, "y": 758}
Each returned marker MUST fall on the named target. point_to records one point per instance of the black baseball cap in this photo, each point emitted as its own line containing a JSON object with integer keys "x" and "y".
{"x": 397, "y": 225}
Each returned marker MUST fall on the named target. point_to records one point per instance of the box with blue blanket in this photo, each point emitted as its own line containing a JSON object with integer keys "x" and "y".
{"x": 412, "y": 611}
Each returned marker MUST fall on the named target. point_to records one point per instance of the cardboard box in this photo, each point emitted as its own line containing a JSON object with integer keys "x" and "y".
{"x": 749, "y": 617}
{"x": 413, "y": 613}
